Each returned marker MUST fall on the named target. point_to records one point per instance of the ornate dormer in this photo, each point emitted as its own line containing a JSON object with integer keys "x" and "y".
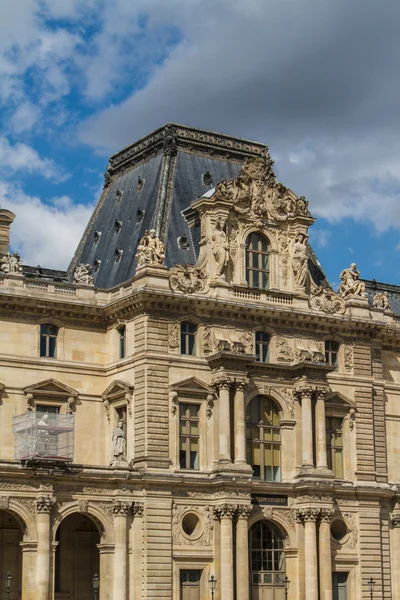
{"x": 254, "y": 231}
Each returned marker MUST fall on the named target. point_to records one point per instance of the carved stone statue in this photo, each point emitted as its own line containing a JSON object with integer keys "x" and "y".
{"x": 350, "y": 282}
{"x": 11, "y": 264}
{"x": 300, "y": 261}
{"x": 150, "y": 250}
{"x": 82, "y": 275}
{"x": 42, "y": 436}
{"x": 381, "y": 300}
{"x": 118, "y": 456}
{"x": 220, "y": 247}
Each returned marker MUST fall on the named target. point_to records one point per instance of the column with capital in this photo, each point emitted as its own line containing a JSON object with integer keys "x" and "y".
{"x": 320, "y": 429}
{"x": 226, "y": 515}
{"x": 325, "y": 558}
{"x": 309, "y": 517}
{"x": 395, "y": 555}
{"x": 223, "y": 384}
{"x": 304, "y": 394}
{"x": 242, "y": 552}
{"x": 121, "y": 509}
{"x": 135, "y": 588}
{"x": 44, "y": 505}
{"x": 239, "y": 423}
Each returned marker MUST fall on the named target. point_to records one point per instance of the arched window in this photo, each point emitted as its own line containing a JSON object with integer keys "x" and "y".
{"x": 188, "y": 338}
{"x": 257, "y": 268}
{"x": 267, "y": 560}
{"x": 331, "y": 352}
{"x": 263, "y": 439}
{"x": 48, "y": 340}
{"x": 262, "y": 346}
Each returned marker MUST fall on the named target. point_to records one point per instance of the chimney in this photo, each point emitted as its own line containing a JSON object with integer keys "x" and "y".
{"x": 6, "y": 218}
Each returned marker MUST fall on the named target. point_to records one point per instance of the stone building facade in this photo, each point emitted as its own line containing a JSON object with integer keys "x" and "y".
{"x": 230, "y": 415}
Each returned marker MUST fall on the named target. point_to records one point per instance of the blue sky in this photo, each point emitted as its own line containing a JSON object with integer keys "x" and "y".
{"x": 318, "y": 81}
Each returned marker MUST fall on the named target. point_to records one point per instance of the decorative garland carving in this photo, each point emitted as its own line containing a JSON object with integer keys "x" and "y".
{"x": 348, "y": 358}
{"x": 44, "y": 504}
{"x": 174, "y": 330}
{"x": 351, "y": 521}
{"x": 327, "y": 301}
{"x": 206, "y": 516}
{"x": 283, "y": 351}
{"x": 188, "y": 279}
{"x": 122, "y": 508}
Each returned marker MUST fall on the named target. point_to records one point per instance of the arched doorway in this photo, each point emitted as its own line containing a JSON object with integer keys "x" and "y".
{"x": 267, "y": 562}
{"x": 10, "y": 555}
{"x": 77, "y": 558}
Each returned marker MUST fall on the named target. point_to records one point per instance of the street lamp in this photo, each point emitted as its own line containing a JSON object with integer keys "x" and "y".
{"x": 96, "y": 584}
{"x": 212, "y": 583}
{"x": 286, "y": 584}
{"x": 371, "y": 585}
{"x": 8, "y": 580}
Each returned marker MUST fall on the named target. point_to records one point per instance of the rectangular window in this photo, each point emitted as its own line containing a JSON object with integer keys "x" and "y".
{"x": 262, "y": 346}
{"x": 334, "y": 445}
{"x": 331, "y": 352}
{"x": 48, "y": 338}
{"x": 188, "y": 338}
{"x": 339, "y": 586}
{"x": 122, "y": 341}
{"x": 189, "y": 436}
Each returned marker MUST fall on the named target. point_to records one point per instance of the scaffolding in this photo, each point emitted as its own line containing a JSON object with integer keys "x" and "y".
{"x": 44, "y": 437}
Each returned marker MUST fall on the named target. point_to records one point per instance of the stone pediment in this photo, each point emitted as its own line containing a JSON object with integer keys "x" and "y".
{"x": 117, "y": 389}
{"x": 50, "y": 387}
{"x": 255, "y": 194}
{"x": 337, "y": 398}
{"x": 192, "y": 384}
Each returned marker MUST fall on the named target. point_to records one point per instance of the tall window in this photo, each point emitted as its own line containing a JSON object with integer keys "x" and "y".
{"x": 122, "y": 341}
{"x": 334, "y": 445}
{"x": 262, "y": 345}
{"x": 263, "y": 439}
{"x": 267, "y": 559}
{"x": 48, "y": 340}
{"x": 189, "y": 436}
{"x": 257, "y": 269}
{"x": 331, "y": 352}
{"x": 188, "y": 338}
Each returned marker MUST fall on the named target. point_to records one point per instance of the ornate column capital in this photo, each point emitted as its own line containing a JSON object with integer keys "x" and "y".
{"x": 326, "y": 515}
{"x": 227, "y": 511}
{"x": 44, "y": 504}
{"x": 138, "y": 509}
{"x": 320, "y": 392}
{"x": 122, "y": 508}
{"x": 222, "y": 382}
{"x": 240, "y": 384}
{"x": 303, "y": 391}
{"x": 307, "y": 514}
{"x": 243, "y": 511}
{"x": 395, "y": 518}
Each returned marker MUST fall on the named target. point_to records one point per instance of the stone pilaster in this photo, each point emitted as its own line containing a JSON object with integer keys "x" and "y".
{"x": 242, "y": 552}
{"x": 240, "y": 425}
{"x": 226, "y": 514}
{"x": 325, "y": 558}
{"x": 395, "y": 555}
{"x": 304, "y": 394}
{"x": 309, "y": 517}
{"x": 320, "y": 429}
{"x": 136, "y": 545}
{"x": 44, "y": 505}
{"x": 121, "y": 510}
{"x": 223, "y": 385}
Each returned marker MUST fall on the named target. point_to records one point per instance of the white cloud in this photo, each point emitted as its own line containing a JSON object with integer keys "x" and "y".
{"x": 21, "y": 157}
{"x": 24, "y": 118}
{"x": 320, "y": 237}
{"x": 45, "y": 234}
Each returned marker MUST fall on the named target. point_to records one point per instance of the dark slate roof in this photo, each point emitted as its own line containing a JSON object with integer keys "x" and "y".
{"x": 148, "y": 185}
{"x": 373, "y": 287}
{"x": 42, "y": 273}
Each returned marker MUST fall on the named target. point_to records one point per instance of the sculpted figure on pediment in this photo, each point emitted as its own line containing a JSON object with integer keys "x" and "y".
{"x": 350, "y": 282}
{"x": 220, "y": 247}
{"x": 11, "y": 264}
{"x": 327, "y": 301}
{"x": 150, "y": 250}
{"x": 300, "y": 261}
{"x": 381, "y": 300}
{"x": 82, "y": 275}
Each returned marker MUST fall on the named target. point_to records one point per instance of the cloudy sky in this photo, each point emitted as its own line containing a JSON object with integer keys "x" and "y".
{"x": 317, "y": 80}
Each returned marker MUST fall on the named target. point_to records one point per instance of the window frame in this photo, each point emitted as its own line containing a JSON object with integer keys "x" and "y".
{"x": 185, "y": 338}
{"x": 263, "y": 272}
{"x": 263, "y": 444}
{"x": 332, "y": 449}
{"x": 188, "y": 436}
{"x": 47, "y": 337}
{"x": 263, "y": 344}
{"x": 121, "y": 330}
{"x": 330, "y": 352}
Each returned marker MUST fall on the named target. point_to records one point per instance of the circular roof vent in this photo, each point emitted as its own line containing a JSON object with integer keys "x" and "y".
{"x": 183, "y": 242}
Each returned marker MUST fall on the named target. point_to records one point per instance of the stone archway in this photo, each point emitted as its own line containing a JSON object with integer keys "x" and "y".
{"x": 76, "y": 557}
{"x": 266, "y": 561}
{"x": 11, "y": 536}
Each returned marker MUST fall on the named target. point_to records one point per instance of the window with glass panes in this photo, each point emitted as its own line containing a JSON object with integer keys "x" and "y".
{"x": 262, "y": 345}
{"x": 121, "y": 416}
{"x": 122, "y": 341}
{"x": 257, "y": 269}
{"x": 48, "y": 340}
{"x": 188, "y": 338}
{"x": 334, "y": 445}
{"x": 331, "y": 352}
{"x": 263, "y": 439}
{"x": 267, "y": 557}
{"x": 189, "y": 436}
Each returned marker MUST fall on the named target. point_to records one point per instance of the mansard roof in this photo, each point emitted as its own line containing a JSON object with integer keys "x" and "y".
{"x": 148, "y": 185}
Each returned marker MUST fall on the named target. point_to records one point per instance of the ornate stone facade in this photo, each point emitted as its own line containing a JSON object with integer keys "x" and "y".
{"x": 213, "y": 405}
